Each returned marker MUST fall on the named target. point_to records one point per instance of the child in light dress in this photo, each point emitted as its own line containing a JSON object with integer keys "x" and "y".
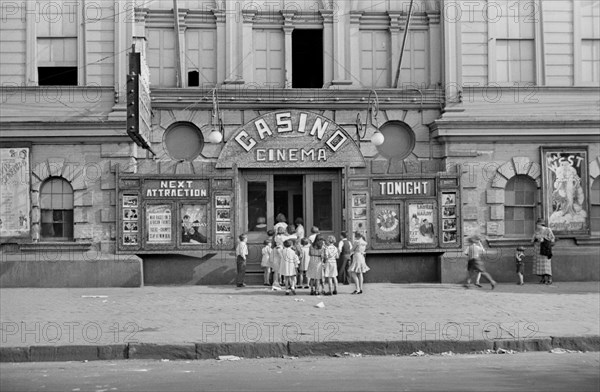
{"x": 265, "y": 262}
{"x": 359, "y": 264}
{"x": 315, "y": 266}
{"x": 289, "y": 264}
{"x": 330, "y": 256}
{"x": 278, "y": 241}
{"x": 304, "y": 260}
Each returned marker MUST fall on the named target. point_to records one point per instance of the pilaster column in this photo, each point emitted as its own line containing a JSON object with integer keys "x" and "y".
{"x": 395, "y": 41}
{"x": 288, "y": 28}
{"x": 328, "y": 62}
{"x": 354, "y": 54}
{"x": 435, "y": 48}
{"x": 248, "y": 45}
{"x": 180, "y": 37}
{"x": 452, "y": 54}
{"x": 341, "y": 22}
{"x": 233, "y": 69}
{"x": 221, "y": 49}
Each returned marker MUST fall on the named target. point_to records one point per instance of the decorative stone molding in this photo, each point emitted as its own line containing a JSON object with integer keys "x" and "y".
{"x": 495, "y": 196}
{"x": 517, "y": 166}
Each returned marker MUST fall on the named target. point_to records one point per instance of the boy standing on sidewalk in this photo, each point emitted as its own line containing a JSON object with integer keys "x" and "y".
{"x": 241, "y": 253}
{"x": 520, "y": 260}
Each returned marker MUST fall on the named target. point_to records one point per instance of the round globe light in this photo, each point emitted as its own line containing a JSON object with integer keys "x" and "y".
{"x": 377, "y": 139}
{"x": 215, "y": 137}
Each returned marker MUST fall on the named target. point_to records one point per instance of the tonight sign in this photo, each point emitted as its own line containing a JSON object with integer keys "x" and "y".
{"x": 403, "y": 188}
{"x": 175, "y": 188}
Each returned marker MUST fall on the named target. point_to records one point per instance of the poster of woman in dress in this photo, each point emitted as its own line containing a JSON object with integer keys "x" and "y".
{"x": 565, "y": 189}
{"x": 194, "y": 224}
{"x": 14, "y": 192}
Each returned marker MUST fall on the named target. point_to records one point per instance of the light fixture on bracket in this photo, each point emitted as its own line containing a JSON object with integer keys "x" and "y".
{"x": 371, "y": 122}
{"x": 217, "y": 132}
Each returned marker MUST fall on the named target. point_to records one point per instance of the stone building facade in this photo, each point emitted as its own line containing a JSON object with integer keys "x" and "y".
{"x": 493, "y": 124}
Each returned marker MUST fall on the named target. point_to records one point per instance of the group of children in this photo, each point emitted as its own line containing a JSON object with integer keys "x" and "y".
{"x": 311, "y": 262}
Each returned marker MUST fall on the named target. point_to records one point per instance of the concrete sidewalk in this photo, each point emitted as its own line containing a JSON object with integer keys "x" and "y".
{"x": 194, "y": 322}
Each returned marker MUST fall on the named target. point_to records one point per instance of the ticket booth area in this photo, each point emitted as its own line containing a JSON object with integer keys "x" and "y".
{"x": 314, "y": 196}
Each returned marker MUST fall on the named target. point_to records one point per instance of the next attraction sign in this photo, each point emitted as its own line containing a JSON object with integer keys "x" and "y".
{"x": 290, "y": 139}
{"x": 182, "y": 189}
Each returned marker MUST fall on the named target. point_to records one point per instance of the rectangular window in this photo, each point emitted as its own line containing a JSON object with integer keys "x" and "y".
{"x": 56, "y": 51}
{"x": 515, "y": 61}
{"x": 590, "y": 61}
{"x": 375, "y": 59}
{"x": 307, "y": 58}
{"x": 161, "y": 57}
{"x": 519, "y": 207}
{"x": 269, "y": 58}
{"x": 201, "y": 56}
{"x": 414, "y": 61}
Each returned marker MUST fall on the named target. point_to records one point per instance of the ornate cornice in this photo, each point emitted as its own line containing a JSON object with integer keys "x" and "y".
{"x": 247, "y": 97}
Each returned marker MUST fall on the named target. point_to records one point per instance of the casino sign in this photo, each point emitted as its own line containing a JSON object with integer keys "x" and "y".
{"x": 290, "y": 139}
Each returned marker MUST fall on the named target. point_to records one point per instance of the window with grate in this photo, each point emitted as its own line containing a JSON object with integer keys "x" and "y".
{"x": 520, "y": 199}
{"x": 56, "y": 202}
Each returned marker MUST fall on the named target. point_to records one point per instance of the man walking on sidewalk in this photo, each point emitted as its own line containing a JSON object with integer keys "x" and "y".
{"x": 241, "y": 253}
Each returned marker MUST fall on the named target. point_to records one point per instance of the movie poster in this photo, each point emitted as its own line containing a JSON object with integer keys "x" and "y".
{"x": 194, "y": 224}
{"x": 421, "y": 223}
{"x": 159, "y": 223}
{"x": 14, "y": 192}
{"x": 387, "y": 223}
{"x": 565, "y": 189}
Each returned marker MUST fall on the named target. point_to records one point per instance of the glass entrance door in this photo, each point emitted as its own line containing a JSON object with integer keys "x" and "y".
{"x": 314, "y": 197}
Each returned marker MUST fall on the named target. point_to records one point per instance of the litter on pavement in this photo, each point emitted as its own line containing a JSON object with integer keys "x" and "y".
{"x": 563, "y": 351}
{"x": 94, "y": 296}
{"x": 320, "y": 305}
{"x": 418, "y": 354}
{"x": 228, "y": 358}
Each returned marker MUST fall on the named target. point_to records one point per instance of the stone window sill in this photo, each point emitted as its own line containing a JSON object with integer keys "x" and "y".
{"x": 55, "y": 246}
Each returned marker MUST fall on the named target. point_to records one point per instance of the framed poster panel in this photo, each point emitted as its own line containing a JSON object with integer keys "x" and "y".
{"x": 194, "y": 224}
{"x": 449, "y": 227}
{"x": 387, "y": 221}
{"x": 223, "y": 222}
{"x": 159, "y": 225}
{"x": 422, "y": 229}
{"x": 129, "y": 221}
{"x": 14, "y": 192}
{"x": 565, "y": 190}
{"x": 359, "y": 202}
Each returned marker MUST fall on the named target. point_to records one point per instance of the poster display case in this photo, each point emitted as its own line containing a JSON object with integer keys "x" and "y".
{"x": 163, "y": 214}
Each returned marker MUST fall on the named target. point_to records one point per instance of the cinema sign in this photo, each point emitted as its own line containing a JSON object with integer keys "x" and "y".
{"x": 290, "y": 139}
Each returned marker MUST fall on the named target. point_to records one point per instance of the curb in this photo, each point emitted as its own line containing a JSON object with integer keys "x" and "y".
{"x": 189, "y": 351}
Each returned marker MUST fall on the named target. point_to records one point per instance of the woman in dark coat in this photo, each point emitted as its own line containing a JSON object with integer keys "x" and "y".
{"x": 542, "y": 238}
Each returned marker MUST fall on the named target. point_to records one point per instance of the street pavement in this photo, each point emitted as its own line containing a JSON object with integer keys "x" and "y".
{"x": 208, "y": 321}
{"x": 520, "y": 372}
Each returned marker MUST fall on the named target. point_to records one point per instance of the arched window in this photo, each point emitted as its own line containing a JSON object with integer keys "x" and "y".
{"x": 56, "y": 202}
{"x": 595, "y": 202}
{"x": 519, "y": 207}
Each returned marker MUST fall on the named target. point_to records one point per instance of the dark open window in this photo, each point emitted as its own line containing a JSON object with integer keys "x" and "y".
{"x": 307, "y": 58}
{"x": 193, "y": 79}
{"x": 57, "y": 76}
